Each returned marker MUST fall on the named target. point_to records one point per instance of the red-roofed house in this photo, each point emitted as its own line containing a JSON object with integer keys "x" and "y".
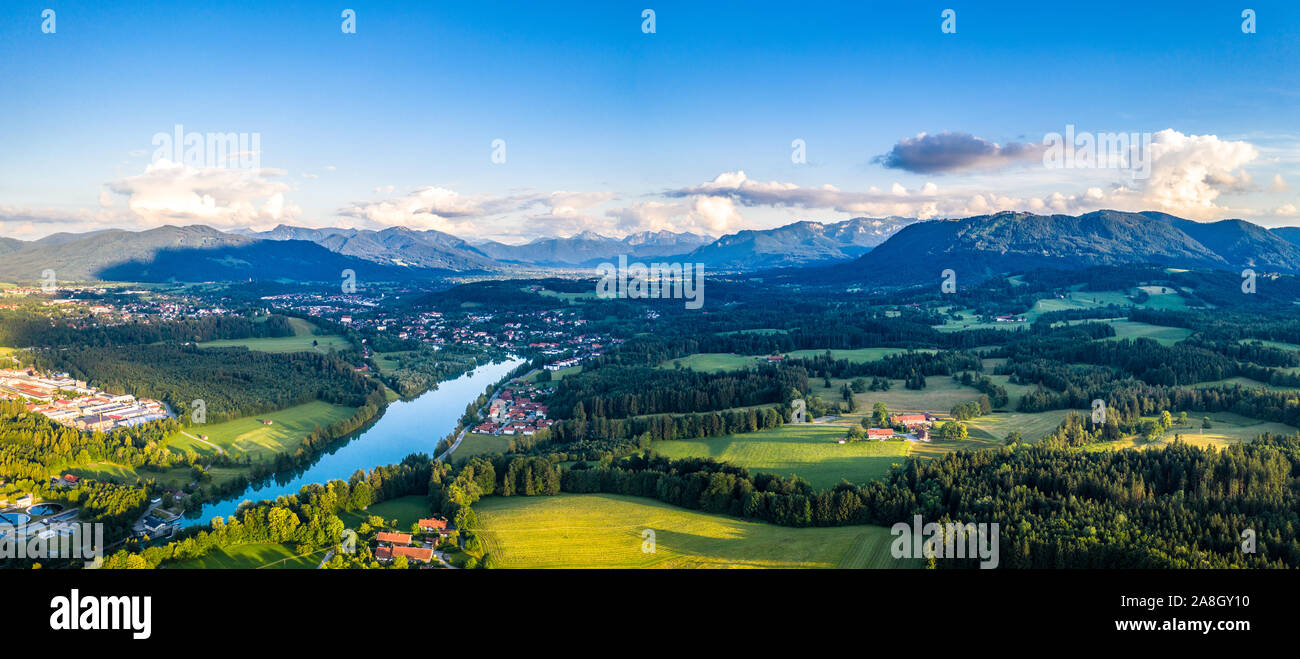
{"x": 421, "y": 554}
{"x": 909, "y": 420}
{"x": 880, "y": 433}
{"x": 394, "y": 538}
{"x": 433, "y": 524}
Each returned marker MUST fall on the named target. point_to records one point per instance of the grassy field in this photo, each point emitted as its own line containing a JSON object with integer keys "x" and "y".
{"x": 406, "y": 510}
{"x": 940, "y": 394}
{"x": 858, "y": 355}
{"x": 1245, "y": 382}
{"x": 968, "y": 320}
{"x": 1272, "y": 344}
{"x": 713, "y": 362}
{"x": 249, "y": 436}
{"x": 387, "y": 362}
{"x": 480, "y": 444}
{"x": 1127, "y": 329}
{"x": 176, "y": 477}
{"x": 605, "y": 531}
{"x": 1032, "y": 427}
{"x": 758, "y": 331}
{"x": 253, "y": 557}
{"x": 1079, "y": 300}
{"x": 567, "y": 297}
{"x": 1228, "y": 429}
{"x": 301, "y": 340}
{"x": 556, "y": 376}
{"x": 1159, "y": 298}
{"x": 808, "y": 450}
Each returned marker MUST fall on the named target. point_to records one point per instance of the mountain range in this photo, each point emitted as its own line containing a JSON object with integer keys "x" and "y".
{"x": 588, "y": 248}
{"x": 982, "y": 246}
{"x": 875, "y": 251}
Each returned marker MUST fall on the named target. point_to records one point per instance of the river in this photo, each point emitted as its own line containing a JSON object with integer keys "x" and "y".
{"x": 404, "y": 427}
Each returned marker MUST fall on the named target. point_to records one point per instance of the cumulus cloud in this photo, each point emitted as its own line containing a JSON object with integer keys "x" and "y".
{"x": 443, "y": 209}
{"x": 949, "y": 152}
{"x": 1189, "y": 176}
{"x": 222, "y": 197}
{"x": 1190, "y": 172}
{"x": 426, "y": 207}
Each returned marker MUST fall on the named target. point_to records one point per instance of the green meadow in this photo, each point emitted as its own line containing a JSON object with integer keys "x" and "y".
{"x": 856, "y": 355}
{"x": 249, "y": 436}
{"x": 1127, "y": 329}
{"x": 479, "y": 444}
{"x": 714, "y": 362}
{"x": 810, "y": 451}
{"x": 608, "y": 531}
{"x": 1226, "y": 429}
{"x": 253, "y": 557}
{"x": 301, "y": 340}
{"x": 404, "y": 510}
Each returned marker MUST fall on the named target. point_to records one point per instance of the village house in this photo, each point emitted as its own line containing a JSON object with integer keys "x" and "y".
{"x": 910, "y": 420}
{"x": 880, "y": 433}
{"x": 432, "y": 524}
{"x": 418, "y": 554}
{"x": 393, "y": 538}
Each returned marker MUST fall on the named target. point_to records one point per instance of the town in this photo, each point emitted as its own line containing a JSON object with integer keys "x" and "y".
{"x": 74, "y": 403}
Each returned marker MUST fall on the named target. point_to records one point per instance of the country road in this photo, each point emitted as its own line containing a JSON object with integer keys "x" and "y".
{"x": 203, "y": 441}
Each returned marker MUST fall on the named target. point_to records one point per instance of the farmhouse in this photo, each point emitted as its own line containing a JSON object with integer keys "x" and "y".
{"x": 880, "y": 433}
{"x": 433, "y": 524}
{"x": 393, "y": 538}
{"x": 910, "y": 420}
{"x": 420, "y": 554}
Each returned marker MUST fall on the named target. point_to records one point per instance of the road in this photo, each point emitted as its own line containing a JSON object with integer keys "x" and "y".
{"x": 204, "y": 441}
{"x": 461, "y": 436}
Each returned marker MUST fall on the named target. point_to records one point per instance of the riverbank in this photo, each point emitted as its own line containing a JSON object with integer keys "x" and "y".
{"x": 404, "y": 427}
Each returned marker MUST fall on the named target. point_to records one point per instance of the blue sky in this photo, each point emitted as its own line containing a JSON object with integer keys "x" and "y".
{"x": 613, "y": 130}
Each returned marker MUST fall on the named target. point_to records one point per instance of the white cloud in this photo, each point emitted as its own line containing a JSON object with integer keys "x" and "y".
{"x": 222, "y": 197}
{"x": 1190, "y": 172}
{"x": 1189, "y": 176}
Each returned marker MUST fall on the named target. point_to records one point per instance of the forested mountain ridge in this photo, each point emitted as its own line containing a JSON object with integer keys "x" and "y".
{"x": 979, "y": 247}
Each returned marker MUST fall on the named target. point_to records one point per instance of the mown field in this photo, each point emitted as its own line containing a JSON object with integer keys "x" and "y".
{"x": 994, "y": 427}
{"x": 405, "y": 510}
{"x": 1227, "y": 429}
{"x": 253, "y": 557}
{"x": 858, "y": 355}
{"x": 301, "y": 340}
{"x": 808, "y": 450}
{"x": 556, "y": 376}
{"x": 1127, "y": 329}
{"x": 175, "y": 477}
{"x": 940, "y": 394}
{"x": 249, "y": 436}
{"x": 712, "y": 362}
{"x": 605, "y": 531}
{"x": 480, "y": 444}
